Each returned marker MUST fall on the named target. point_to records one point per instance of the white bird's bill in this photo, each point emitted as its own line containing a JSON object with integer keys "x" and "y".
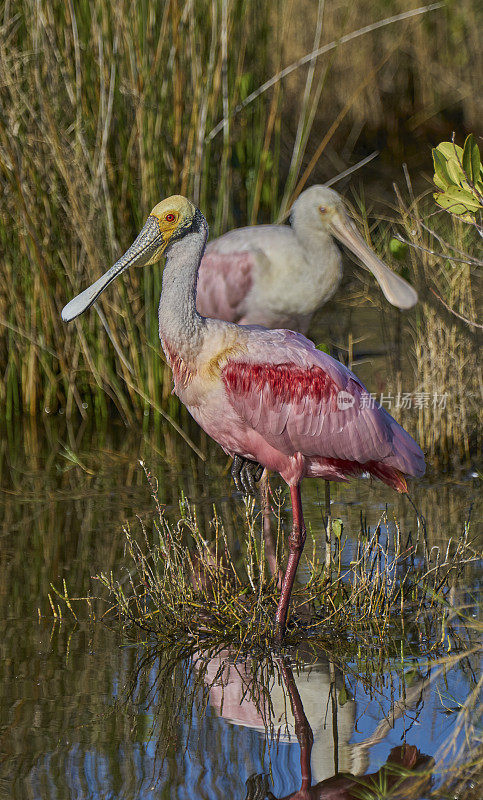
{"x": 148, "y": 246}
{"x": 395, "y": 289}
{"x": 86, "y": 298}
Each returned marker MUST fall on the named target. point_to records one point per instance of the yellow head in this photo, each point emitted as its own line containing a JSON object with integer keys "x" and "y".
{"x": 173, "y": 213}
{"x": 171, "y": 219}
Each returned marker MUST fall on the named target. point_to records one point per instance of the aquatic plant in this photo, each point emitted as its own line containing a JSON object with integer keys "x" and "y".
{"x": 179, "y": 586}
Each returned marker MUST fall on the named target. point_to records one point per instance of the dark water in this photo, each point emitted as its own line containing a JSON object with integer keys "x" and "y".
{"x": 86, "y": 714}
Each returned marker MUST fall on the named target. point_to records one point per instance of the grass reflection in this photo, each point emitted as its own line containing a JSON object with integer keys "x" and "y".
{"x": 313, "y": 708}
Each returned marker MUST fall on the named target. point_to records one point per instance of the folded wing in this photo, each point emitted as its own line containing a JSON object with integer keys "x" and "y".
{"x": 302, "y": 400}
{"x": 224, "y": 281}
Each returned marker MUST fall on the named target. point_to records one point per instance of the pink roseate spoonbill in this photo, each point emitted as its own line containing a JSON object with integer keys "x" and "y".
{"x": 279, "y": 275}
{"x": 268, "y": 396}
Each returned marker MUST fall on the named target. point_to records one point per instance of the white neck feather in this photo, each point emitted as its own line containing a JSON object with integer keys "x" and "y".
{"x": 180, "y": 325}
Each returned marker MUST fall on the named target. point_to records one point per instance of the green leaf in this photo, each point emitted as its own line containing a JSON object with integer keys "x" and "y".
{"x": 472, "y": 159}
{"x": 397, "y": 248}
{"x": 450, "y": 150}
{"x": 441, "y": 177}
{"x": 439, "y": 183}
{"x": 458, "y": 202}
{"x": 337, "y": 528}
{"x": 476, "y": 160}
{"x": 455, "y": 171}
{"x": 464, "y": 196}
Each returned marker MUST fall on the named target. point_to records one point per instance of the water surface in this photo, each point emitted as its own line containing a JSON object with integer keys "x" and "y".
{"x": 79, "y": 717}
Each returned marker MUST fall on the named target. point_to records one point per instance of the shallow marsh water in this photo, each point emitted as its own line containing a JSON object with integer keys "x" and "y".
{"x": 79, "y": 717}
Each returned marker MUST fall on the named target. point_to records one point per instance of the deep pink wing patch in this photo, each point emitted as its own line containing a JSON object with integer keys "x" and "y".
{"x": 290, "y": 393}
{"x": 224, "y": 280}
{"x": 287, "y": 382}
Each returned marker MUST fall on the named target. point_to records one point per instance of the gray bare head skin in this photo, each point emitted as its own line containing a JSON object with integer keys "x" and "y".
{"x": 322, "y": 208}
{"x": 167, "y": 222}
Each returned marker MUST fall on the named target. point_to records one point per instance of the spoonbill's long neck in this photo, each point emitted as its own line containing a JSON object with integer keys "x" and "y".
{"x": 180, "y": 325}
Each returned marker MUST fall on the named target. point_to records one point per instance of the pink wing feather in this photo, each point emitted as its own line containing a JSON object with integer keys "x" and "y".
{"x": 224, "y": 280}
{"x": 289, "y": 392}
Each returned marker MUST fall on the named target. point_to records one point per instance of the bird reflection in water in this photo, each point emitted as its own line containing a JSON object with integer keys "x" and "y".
{"x": 331, "y": 767}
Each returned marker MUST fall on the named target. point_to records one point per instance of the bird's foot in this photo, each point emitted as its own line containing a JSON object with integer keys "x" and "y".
{"x": 246, "y": 474}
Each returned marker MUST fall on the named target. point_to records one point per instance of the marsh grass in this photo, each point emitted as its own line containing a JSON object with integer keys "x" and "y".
{"x": 434, "y": 354}
{"x": 445, "y": 257}
{"x": 178, "y": 586}
{"x": 105, "y": 109}
{"x": 392, "y": 622}
{"x": 108, "y": 107}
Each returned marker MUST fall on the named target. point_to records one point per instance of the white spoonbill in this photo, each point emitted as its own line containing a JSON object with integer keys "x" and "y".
{"x": 279, "y": 275}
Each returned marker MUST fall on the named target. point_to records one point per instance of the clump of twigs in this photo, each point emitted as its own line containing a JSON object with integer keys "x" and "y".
{"x": 180, "y": 585}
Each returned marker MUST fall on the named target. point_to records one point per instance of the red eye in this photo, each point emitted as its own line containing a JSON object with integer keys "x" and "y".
{"x": 170, "y": 218}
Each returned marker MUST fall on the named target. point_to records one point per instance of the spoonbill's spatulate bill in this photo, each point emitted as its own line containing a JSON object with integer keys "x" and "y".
{"x": 268, "y": 396}
{"x": 279, "y": 275}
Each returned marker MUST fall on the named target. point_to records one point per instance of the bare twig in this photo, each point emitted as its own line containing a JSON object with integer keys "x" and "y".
{"x": 471, "y": 261}
{"x": 455, "y": 313}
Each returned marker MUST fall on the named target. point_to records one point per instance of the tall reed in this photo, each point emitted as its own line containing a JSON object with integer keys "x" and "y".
{"x": 443, "y": 255}
{"x": 105, "y": 108}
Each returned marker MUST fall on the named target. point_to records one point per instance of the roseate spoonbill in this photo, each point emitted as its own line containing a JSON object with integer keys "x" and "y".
{"x": 279, "y": 275}
{"x": 266, "y": 396}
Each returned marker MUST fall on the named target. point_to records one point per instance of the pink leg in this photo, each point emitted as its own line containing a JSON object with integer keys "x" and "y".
{"x": 303, "y": 731}
{"x": 268, "y": 536}
{"x": 296, "y": 542}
